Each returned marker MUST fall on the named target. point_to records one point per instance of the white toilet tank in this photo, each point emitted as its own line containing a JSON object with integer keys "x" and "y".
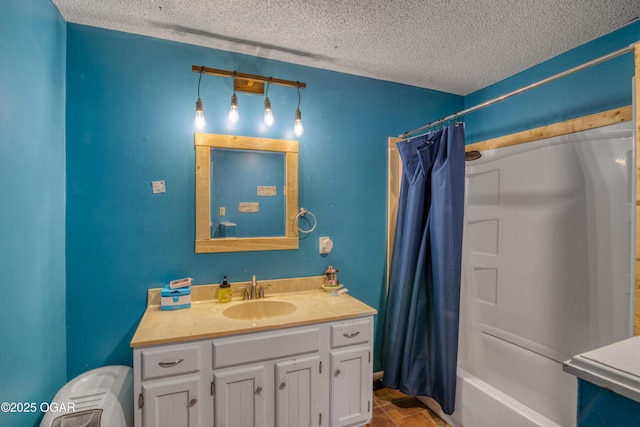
{"x": 102, "y": 397}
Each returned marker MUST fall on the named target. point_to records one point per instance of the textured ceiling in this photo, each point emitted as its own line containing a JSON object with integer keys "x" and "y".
{"x": 449, "y": 45}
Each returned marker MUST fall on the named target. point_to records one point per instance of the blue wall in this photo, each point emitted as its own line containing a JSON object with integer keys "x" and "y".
{"x": 590, "y": 91}
{"x": 32, "y": 205}
{"x": 130, "y": 109}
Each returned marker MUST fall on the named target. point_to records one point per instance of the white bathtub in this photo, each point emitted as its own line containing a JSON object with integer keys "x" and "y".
{"x": 549, "y": 228}
{"x": 480, "y": 404}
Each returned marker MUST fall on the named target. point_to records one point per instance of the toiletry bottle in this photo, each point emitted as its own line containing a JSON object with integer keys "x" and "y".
{"x": 224, "y": 291}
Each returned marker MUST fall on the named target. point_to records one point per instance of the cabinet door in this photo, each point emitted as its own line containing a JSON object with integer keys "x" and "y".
{"x": 239, "y": 398}
{"x": 297, "y": 384}
{"x": 170, "y": 402}
{"x": 351, "y": 386}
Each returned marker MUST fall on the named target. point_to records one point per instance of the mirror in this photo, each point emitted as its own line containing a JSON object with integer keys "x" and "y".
{"x": 246, "y": 193}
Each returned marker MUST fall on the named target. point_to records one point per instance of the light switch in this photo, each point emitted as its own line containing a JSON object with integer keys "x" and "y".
{"x": 158, "y": 187}
{"x": 223, "y": 211}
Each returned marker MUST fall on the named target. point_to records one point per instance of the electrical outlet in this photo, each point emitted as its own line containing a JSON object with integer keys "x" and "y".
{"x": 158, "y": 187}
{"x": 326, "y": 245}
{"x": 223, "y": 211}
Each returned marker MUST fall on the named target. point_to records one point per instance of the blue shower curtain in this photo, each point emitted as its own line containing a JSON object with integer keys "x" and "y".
{"x": 421, "y": 326}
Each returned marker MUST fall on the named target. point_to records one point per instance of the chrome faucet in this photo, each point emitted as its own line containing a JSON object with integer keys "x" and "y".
{"x": 254, "y": 285}
{"x": 261, "y": 292}
{"x": 256, "y": 291}
{"x": 245, "y": 293}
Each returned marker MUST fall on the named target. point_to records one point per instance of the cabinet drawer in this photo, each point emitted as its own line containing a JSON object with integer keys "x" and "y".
{"x": 350, "y": 332}
{"x": 170, "y": 360}
{"x": 264, "y": 346}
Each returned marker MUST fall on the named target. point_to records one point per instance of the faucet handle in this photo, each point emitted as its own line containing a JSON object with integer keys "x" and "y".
{"x": 261, "y": 291}
{"x": 245, "y": 293}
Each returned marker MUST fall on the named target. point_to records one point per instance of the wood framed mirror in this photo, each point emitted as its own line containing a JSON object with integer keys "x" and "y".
{"x": 233, "y": 219}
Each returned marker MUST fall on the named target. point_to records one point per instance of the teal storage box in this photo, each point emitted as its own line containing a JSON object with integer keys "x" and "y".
{"x": 175, "y": 299}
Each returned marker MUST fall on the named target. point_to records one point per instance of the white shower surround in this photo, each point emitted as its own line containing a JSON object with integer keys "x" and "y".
{"x": 550, "y": 235}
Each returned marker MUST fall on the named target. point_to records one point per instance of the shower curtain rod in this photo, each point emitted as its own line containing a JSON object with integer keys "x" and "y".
{"x": 522, "y": 89}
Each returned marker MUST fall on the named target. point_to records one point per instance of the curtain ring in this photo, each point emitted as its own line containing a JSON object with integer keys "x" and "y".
{"x": 302, "y": 213}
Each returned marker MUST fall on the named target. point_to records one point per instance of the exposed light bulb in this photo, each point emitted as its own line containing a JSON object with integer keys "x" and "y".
{"x": 298, "y": 130}
{"x": 268, "y": 113}
{"x": 233, "y": 111}
{"x": 200, "y": 123}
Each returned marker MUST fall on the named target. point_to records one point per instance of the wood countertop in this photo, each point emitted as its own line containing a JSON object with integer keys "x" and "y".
{"x": 205, "y": 318}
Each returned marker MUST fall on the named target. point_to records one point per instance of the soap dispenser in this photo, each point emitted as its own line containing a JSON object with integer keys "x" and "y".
{"x": 225, "y": 294}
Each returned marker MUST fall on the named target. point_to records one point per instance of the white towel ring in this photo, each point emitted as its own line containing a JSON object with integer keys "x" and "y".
{"x": 302, "y": 213}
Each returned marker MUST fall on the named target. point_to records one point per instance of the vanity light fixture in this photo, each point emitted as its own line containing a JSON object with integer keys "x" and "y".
{"x": 268, "y": 113}
{"x": 298, "y": 130}
{"x": 199, "y": 122}
{"x": 249, "y": 83}
{"x": 233, "y": 110}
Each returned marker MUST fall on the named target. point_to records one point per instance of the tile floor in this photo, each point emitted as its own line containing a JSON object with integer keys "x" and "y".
{"x": 392, "y": 408}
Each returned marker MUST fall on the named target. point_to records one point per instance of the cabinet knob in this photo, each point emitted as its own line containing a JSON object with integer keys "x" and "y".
{"x": 336, "y": 373}
{"x": 282, "y": 385}
{"x": 258, "y": 390}
{"x": 192, "y": 402}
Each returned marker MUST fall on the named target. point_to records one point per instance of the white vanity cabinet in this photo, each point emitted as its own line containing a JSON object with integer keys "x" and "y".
{"x": 314, "y": 375}
{"x": 171, "y": 403}
{"x": 351, "y": 372}
{"x": 170, "y": 385}
{"x": 298, "y": 392}
{"x": 239, "y": 397}
{"x": 269, "y": 378}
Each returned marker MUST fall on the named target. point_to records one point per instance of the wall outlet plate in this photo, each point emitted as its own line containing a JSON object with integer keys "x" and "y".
{"x": 326, "y": 245}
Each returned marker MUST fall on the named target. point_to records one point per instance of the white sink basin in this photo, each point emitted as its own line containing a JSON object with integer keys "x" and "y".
{"x": 261, "y": 309}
